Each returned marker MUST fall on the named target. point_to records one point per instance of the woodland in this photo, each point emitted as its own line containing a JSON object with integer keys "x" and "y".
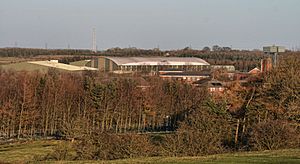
{"x": 114, "y": 118}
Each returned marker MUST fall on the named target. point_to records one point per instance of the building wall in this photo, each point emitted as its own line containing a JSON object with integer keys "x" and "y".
{"x": 101, "y": 64}
{"x": 185, "y": 78}
{"x": 155, "y": 68}
{"x": 226, "y": 67}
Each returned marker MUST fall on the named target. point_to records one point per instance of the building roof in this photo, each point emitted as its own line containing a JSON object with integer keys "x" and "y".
{"x": 157, "y": 61}
{"x": 55, "y": 64}
{"x": 254, "y": 71}
{"x": 189, "y": 73}
{"x": 209, "y": 82}
{"x": 203, "y": 81}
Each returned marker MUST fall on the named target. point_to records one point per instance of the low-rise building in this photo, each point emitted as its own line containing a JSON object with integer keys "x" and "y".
{"x": 254, "y": 71}
{"x": 213, "y": 86}
{"x": 184, "y": 76}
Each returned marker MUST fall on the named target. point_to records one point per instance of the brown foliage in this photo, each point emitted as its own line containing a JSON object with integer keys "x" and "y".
{"x": 203, "y": 132}
{"x": 106, "y": 146}
{"x": 272, "y": 135}
{"x": 63, "y": 151}
{"x": 107, "y": 119}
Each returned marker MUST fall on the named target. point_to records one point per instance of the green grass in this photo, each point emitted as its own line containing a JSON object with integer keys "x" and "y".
{"x": 279, "y": 156}
{"x": 24, "y": 66}
{"x": 80, "y": 63}
{"x": 24, "y": 152}
{"x": 30, "y": 67}
{"x": 9, "y": 60}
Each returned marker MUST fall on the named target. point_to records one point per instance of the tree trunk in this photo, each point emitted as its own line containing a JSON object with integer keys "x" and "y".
{"x": 237, "y": 132}
{"x": 21, "y": 112}
{"x": 140, "y": 119}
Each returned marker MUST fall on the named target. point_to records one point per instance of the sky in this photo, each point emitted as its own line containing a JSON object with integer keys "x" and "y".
{"x": 167, "y": 24}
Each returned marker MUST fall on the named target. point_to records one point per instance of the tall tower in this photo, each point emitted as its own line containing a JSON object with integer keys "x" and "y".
{"x": 273, "y": 51}
{"x": 94, "y": 46}
{"x": 266, "y": 64}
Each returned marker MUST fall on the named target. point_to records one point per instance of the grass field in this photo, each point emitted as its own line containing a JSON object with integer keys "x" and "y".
{"x": 80, "y": 63}
{"x": 10, "y": 60}
{"x": 24, "y": 66}
{"x": 22, "y": 152}
{"x": 26, "y": 151}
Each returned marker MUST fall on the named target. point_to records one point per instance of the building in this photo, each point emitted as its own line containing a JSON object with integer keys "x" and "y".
{"x": 229, "y": 68}
{"x": 213, "y": 86}
{"x": 184, "y": 76}
{"x": 273, "y": 49}
{"x": 254, "y": 71}
{"x": 147, "y": 64}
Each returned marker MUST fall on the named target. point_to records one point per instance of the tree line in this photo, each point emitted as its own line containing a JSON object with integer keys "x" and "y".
{"x": 34, "y": 104}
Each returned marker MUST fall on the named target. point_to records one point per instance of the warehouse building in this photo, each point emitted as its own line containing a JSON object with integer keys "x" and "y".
{"x": 147, "y": 64}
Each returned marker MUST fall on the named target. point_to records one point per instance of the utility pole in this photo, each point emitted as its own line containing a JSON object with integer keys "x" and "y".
{"x": 275, "y": 58}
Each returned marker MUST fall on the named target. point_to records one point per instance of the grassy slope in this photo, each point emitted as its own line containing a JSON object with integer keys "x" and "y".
{"x": 80, "y": 63}
{"x": 26, "y": 151}
{"x": 279, "y": 156}
{"x": 10, "y": 60}
{"x": 24, "y": 66}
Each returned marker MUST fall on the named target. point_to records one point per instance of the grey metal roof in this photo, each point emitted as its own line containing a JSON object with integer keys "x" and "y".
{"x": 157, "y": 60}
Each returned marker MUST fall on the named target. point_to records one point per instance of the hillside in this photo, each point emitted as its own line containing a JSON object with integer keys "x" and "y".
{"x": 32, "y": 150}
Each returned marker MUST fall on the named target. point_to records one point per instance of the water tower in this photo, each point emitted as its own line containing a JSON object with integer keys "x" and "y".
{"x": 273, "y": 51}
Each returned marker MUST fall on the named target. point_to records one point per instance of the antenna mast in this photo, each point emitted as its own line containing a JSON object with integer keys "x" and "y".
{"x": 94, "y": 47}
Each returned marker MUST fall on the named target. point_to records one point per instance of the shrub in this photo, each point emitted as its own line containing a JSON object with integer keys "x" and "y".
{"x": 107, "y": 146}
{"x": 203, "y": 132}
{"x": 63, "y": 151}
{"x": 272, "y": 135}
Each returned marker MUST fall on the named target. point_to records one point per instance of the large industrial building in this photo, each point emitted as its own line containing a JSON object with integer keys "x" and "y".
{"x": 147, "y": 64}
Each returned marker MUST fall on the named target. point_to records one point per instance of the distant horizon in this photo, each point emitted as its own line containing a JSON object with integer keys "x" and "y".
{"x": 167, "y": 24}
{"x": 49, "y": 48}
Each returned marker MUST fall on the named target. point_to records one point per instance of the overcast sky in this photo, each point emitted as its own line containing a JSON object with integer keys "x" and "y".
{"x": 169, "y": 24}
